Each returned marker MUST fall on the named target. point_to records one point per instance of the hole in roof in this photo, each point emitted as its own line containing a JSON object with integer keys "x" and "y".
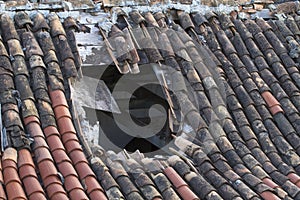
{"x": 138, "y": 103}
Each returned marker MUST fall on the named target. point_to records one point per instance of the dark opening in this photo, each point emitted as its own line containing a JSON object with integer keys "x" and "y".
{"x": 140, "y": 144}
{"x": 148, "y": 93}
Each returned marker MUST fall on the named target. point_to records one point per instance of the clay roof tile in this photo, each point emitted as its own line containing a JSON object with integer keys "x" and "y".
{"x": 294, "y": 178}
{"x": 267, "y": 195}
{"x": 84, "y": 170}
{"x": 179, "y": 184}
{"x": 77, "y": 156}
{"x": 58, "y": 98}
{"x": 56, "y": 191}
{"x": 12, "y": 181}
{"x": 70, "y": 136}
{"x": 65, "y": 125}
{"x": 60, "y": 156}
{"x": 62, "y": 111}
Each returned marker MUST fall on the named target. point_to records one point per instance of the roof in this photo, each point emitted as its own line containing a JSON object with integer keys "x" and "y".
{"x": 244, "y": 141}
{"x": 42, "y": 156}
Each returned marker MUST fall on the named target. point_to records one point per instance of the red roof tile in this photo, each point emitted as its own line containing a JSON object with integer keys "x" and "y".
{"x": 12, "y": 181}
{"x": 92, "y": 187}
{"x": 47, "y": 168}
{"x": 62, "y": 111}
{"x": 294, "y": 178}
{"x": 34, "y": 129}
{"x": 77, "y": 156}
{"x": 39, "y": 142}
{"x": 25, "y": 158}
{"x": 1, "y": 175}
{"x": 30, "y": 119}
{"x": 272, "y": 103}
{"x": 52, "y": 179}
{"x": 66, "y": 168}
{"x": 54, "y": 142}
{"x": 73, "y": 145}
{"x": 42, "y": 154}
{"x": 65, "y": 125}
{"x": 51, "y": 130}
{"x": 11, "y": 175}
{"x": 56, "y": 191}
{"x": 276, "y": 109}
{"x": 74, "y": 187}
{"x": 83, "y": 170}
{"x": 66, "y": 137}
{"x": 33, "y": 188}
{"x": 14, "y": 191}
{"x": 58, "y": 98}
{"x": 27, "y": 171}
{"x": 269, "y": 196}
{"x": 270, "y": 183}
{"x": 2, "y": 192}
{"x": 60, "y": 156}
{"x": 179, "y": 184}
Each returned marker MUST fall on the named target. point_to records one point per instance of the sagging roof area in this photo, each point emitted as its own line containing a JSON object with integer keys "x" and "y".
{"x": 160, "y": 100}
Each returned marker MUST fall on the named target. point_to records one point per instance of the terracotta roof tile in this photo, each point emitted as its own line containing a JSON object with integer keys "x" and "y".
{"x": 60, "y": 156}
{"x": 52, "y": 179}
{"x": 33, "y": 188}
{"x": 270, "y": 183}
{"x": 93, "y": 189}
{"x": 66, "y": 168}
{"x": 269, "y": 195}
{"x": 1, "y": 175}
{"x": 65, "y": 125}
{"x": 47, "y": 169}
{"x": 272, "y": 103}
{"x": 26, "y": 164}
{"x": 179, "y": 184}
{"x": 54, "y": 142}
{"x": 66, "y": 137}
{"x": 62, "y": 111}
{"x": 294, "y": 178}
{"x": 51, "y": 131}
{"x": 56, "y": 191}
{"x": 73, "y": 145}
{"x": 11, "y": 175}
{"x": 276, "y": 109}
{"x": 198, "y": 183}
{"x": 58, "y": 98}
{"x": 13, "y": 185}
{"x": 42, "y": 154}
{"x": 64, "y": 164}
{"x": 97, "y": 194}
{"x": 72, "y": 183}
{"x": 2, "y": 192}
{"x": 77, "y": 157}
{"x": 83, "y": 170}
